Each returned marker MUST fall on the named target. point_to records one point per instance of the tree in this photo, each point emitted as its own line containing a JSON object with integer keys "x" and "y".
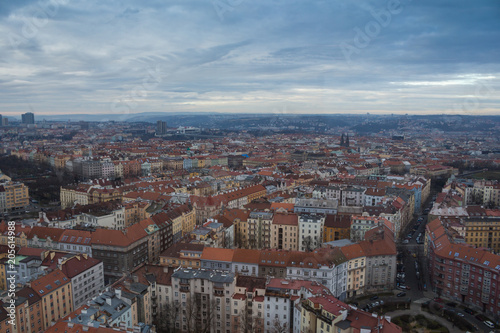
{"x": 279, "y": 327}
{"x": 228, "y": 241}
{"x": 248, "y": 323}
{"x": 168, "y": 315}
{"x": 308, "y": 242}
{"x": 199, "y": 310}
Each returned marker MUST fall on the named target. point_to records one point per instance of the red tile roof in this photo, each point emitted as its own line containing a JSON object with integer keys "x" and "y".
{"x": 117, "y": 237}
{"x": 77, "y": 265}
{"x": 338, "y": 221}
{"x": 286, "y": 219}
{"x": 212, "y": 253}
{"x": 45, "y": 233}
{"x": 48, "y": 283}
{"x": 246, "y": 256}
{"x": 353, "y": 251}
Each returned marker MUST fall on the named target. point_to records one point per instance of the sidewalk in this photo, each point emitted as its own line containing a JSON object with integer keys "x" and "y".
{"x": 415, "y": 310}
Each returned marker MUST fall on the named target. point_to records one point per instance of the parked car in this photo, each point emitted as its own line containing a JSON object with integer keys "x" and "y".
{"x": 460, "y": 314}
{"x": 469, "y": 311}
{"x": 373, "y": 298}
{"x": 489, "y": 324}
{"x": 439, "y": 300}
{"x": 401, "y": 294}
{"x": 480, "y": 317}
{"x": 406, "y": 241}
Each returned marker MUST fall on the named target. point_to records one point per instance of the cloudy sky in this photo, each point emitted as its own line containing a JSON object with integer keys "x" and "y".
{"x": 279, "y": 56}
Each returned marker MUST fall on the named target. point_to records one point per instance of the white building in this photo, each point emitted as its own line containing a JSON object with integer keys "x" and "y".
{"x": 360, "y": 224}
{"x": 86, "y": 275}
{"x": 326, "y": 266}
{"x": 374, "y": 196}
{"x": 353, "y": 196}
{"x": 76, "y": 241}
{"x": 282, "y": 297}
{"x": 111, "y": 219}
{"x": 206, "y": 292}
{"x": 108, "y": 170}
{"x": 310, "y": 231}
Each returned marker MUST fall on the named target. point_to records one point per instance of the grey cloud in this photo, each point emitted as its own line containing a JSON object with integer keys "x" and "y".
{"x": 281, "y": 50}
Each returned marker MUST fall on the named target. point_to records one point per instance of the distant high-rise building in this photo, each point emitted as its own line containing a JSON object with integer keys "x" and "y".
{"x": 28, "y": 118}
{"x": 161, "y": 127}
{"x": 5, "y": 121}
{"x": 84, "y": 125}
{"x": 1, "y": 120}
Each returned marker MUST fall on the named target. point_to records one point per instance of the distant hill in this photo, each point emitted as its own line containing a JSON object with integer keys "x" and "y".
{"x": 319, "y": 123}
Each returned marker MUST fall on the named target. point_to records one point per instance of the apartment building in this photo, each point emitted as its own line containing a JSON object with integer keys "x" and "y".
{"x": 336, "y": 227}
{"x": 317, "y": 206}
{"x": 356, "y": 269}
{"x": 247, "y": 304}
{"x": 56, "y": 293}
{"x": 120, "y": 250}
{"x": 285, "y": 231}
{"x": 204, "y": 299}
{"x": 32, "y": 321}
{"x": 310, "y": 231}
{"x": 482, "y": 231}
{"x": 380, "y": 251}
{"x": 360, "y": 224}
{"x": 462, "y": 272}
{"x": 182, "y": 254}
{"x": 86, "y": 275}
{"x": 326, "y": 266}
{"x": 13, "y": 195}
{"x": 259, "y": 229}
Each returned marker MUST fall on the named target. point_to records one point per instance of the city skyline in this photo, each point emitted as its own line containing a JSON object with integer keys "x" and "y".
{"x": 297, "y": 57}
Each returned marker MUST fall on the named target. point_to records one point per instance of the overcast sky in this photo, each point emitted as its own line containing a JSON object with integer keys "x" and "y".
{"x": 280, "y": 56}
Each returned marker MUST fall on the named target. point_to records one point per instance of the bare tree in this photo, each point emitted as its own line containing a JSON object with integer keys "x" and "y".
{"x": 279, "y": 327}
{"x": 228, "y": 241}
{"x": 168, "y": 315}
{"x": 308, "y": 243}
{"x": 198, "y": 313}
{"x": 248, "y": 323}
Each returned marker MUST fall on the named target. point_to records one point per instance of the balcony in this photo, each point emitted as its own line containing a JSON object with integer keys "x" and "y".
{"x": 184, "y": 289}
